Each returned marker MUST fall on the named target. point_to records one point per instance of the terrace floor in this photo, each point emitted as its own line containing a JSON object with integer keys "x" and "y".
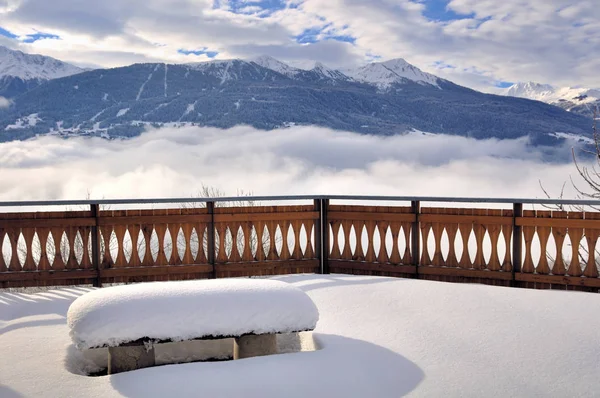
{"x": 379, "y": 337}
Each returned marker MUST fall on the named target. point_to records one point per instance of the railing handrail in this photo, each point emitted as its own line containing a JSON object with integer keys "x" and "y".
{"x": 380, "y": 198}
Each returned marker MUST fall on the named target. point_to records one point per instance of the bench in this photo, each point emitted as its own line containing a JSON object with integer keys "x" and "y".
{"x": 130, "y": 319}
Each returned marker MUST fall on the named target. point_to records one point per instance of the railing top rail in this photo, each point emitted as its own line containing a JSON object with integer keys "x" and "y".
{"x": 574, "y": 202}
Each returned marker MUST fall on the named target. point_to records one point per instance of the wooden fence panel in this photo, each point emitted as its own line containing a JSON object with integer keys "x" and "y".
{"x": 38, "y": 249}
{"x": 466, "y": 244}
{"x": 265, "y": 240}
{"x": 371, "y": 240}
{"x": 161, "y": 244}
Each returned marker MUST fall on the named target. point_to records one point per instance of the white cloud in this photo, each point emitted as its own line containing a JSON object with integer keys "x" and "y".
{"x": 512, "y": 40}
{"x": 4, "y": 103}
{"x": 302, "y": 160}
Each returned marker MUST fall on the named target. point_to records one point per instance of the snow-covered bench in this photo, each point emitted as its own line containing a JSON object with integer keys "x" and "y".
{"x": 129, "y": 319}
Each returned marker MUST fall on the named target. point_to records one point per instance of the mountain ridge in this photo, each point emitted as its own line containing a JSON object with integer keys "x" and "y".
{"x": 579, "y": 100}
{"x": 20, "y": 72}
{"x": 122, "y": 102}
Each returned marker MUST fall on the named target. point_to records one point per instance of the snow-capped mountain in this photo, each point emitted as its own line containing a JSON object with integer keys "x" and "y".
{"x": 32, "y": 66}
{"x": 573, "y": 99}
{"x": 383, "y": 98}
{"x": 20, "y": 72}
{"x": 382, "y": 75}
{"x": 395, "y": 71}
{"x": 329, "y": 73}
{"x": 273, "y": 64}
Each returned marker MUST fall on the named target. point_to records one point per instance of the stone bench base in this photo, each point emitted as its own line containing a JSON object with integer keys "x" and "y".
{"x": 138, "y": 355}
{"x": 130, "y": 357}
{"x": 254, "y": 346}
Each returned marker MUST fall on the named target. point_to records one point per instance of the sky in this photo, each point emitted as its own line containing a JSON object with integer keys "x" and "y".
{"x": 483, "y": 44}
{"x": 177, "y": 162}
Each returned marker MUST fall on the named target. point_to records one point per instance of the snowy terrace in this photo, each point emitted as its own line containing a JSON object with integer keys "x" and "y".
{"x": 377, "y": 336}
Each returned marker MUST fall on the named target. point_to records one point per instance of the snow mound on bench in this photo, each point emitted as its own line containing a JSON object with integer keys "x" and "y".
{"x": 186, "y": 310}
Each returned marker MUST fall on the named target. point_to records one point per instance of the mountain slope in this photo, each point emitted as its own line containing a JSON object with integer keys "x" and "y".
{"x": 123, "y": 101}
{"x": 20, "y": 72}
{"x": 577, "y": 100}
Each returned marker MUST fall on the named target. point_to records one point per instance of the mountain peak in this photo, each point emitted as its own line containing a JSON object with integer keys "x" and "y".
{"x": 25, "y": 66}
{"x": 266, "y": 61}
{"x": 384, "y": 74}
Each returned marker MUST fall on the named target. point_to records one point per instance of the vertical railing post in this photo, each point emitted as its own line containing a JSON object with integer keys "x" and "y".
{"x": 516, "y": 242}
{"x": 318, "y": 238}
{"x": 210, "y": 239}
{"x": 95, "y": 209}
{"x": 415, "y": 206}
{"x": 325, "y": 236}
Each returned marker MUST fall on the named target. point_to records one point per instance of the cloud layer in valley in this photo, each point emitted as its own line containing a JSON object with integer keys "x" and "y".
{"x": 481, "y": 44}
{"x": 171, "y": 162}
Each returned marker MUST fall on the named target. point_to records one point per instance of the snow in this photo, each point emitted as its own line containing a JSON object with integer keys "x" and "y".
{"x": 190, "y": 108}
{"x": 122, "y": 112}
{"x": 384, "y": 74}
{"x": 275, "y": 65}
{"x": 97, "y": 115}
{"x": 551, "y": 95}
{"x": 329, "y": 73}
{"x": 141, "y": 90}
{"x": 30, "y": 66}
{"x": 165, "y": 83}
{"x": 573, "y": 137}
{"x": 377, "y": 337}
{"x": 105, "y": 97}
{"x": 24, "y": 122}
{"x": 186, "y": 310}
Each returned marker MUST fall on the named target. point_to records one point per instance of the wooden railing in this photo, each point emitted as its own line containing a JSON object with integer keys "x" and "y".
{"x": 509, "y": 247}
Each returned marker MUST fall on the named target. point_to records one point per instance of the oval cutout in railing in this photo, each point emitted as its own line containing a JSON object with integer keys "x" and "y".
{"x": 127, "y": 246}
{"x": 194, "y": 244}
{"x": 141, "y": 246}
{"x": 253, "y": 240}
{"x": 182, "y": 244}
{"x": 278, "y": 240}
{"x": 486, "y": 247}
{"x": 22, "y": 250}
{"x": 445, "y": 246}
{"x": 303, "y": 240}
{"x": 78, "y": 248}
{"x": 428, "y": 232}
{"x": 154, "y": 245}
{"x": 291, "y": 239}
{"x": 352, "y": 239}
{"x": 401, "y": 242}
{"x": 341, "y": 239}
{"x": 566, "y": 251}
{"x": 550, "y": 251}
{"x": 472, "y": 247}
{"x": 266, "y": 241}
{"x": 389, "y": 241}
{"x": 458, "y": 246}
{"x": 50, "y": 249}
{"x": 168, "y": 247}
{"x": 6, "y": 249}
{"x": 501, "y": 248}
{"x": 36, "y": 249}
{"x": 376, "y": 241}
{"x": 65, "y": 248}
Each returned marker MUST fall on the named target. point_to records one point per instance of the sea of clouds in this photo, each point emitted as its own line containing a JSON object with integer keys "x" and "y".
{"x": 177, "y": 162}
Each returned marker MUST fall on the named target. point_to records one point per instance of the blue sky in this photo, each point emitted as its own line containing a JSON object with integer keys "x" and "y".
{"x": 438, "y": 10}
{"x": 480, "y": 44}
